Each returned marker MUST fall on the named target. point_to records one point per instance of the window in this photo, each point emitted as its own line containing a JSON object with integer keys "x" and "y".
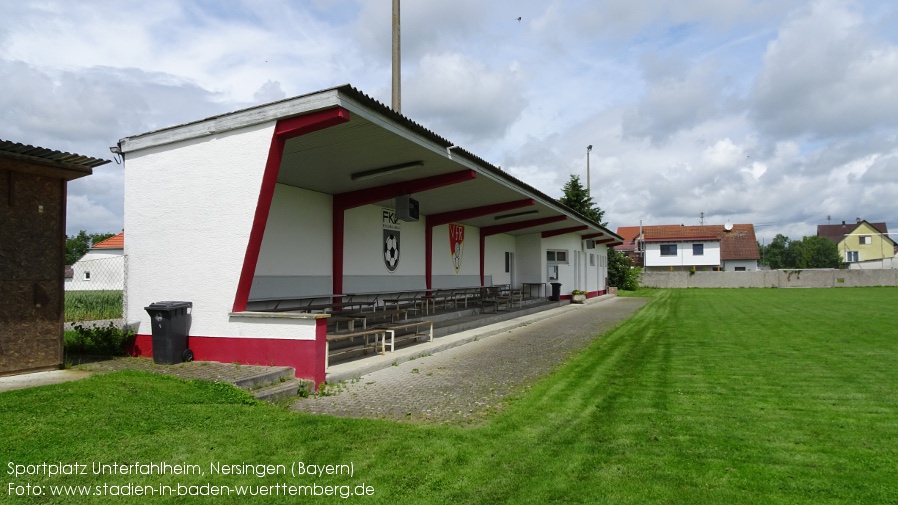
{"x": 507, "y": 262}
{"x": 592, "y": 260}
{"x": 851, "y": 256}
{"x": 740, "y": 269}
{"x": 668, "y": 249}
{"x": 556, "y": 256}
{"x": 86, "y": 275}
{"x": 698, "y": 249}
{"x": 865, "y": 240}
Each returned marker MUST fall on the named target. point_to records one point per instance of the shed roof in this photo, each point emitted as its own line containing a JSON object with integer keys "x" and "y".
{"x": 50, "y": 161}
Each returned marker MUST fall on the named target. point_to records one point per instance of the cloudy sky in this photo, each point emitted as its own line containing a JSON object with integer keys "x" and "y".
{"x": 779, "y": 113}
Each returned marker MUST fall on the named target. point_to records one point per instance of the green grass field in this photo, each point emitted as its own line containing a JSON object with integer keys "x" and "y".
{"x": 704, "y": 396}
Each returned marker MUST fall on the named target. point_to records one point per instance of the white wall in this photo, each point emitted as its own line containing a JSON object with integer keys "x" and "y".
{"x": 106, "y": 268}
{"x": 363, "y": 261}
{"x": 684, "y": 256}
{"x": 749, "y": 265}
{"x": 530, "y": 258}
{"x": 295, "y": 257}
{"x": 189, "y": 209}
{"x": 494, "y": 262}
{"x": 570, "y": 243}
{"x": 468, "y": 274}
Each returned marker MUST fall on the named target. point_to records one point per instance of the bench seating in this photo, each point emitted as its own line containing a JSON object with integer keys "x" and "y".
{"x": 391, "y": 329}
{"x": 334, "y": 337}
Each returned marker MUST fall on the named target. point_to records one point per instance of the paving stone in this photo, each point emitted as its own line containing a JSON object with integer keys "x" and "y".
{"x": 465, "y": 385}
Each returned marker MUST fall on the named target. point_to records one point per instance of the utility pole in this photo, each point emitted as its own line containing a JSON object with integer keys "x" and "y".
{"x": 588, "y": 192}
{"x": 397, "y": 73}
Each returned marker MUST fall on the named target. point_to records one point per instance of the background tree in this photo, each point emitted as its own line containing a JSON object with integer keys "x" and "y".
{"x": 76, "y": 246}
{"x": 809, "y": 252}
{"x": 577, "y": 198}
{"x": 775, "y": 253}
{"x": 820, "y": 252}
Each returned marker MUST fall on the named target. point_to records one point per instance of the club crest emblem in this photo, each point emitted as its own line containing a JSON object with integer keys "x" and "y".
{"x": 456, "y": 244}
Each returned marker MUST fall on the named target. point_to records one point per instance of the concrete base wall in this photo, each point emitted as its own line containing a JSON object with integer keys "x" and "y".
{"x": 822, "y": 278}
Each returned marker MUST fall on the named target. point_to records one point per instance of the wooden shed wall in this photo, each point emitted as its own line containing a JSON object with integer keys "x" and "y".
{"x": 32, "y": 224}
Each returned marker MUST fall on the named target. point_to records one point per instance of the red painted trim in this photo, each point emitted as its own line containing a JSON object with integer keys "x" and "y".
{"x": 284, "y": 129}
{"x": 337, "y": 243}
{"x": 607, "y": 241}
{"x": 591, "y": 236}
{"x": 360, "y": 197}
{"x": 482, "y": 257}
{"x": 471, "y": 213}
{"x": 305, "y": 356}
{"x": 564, "y": 231}
{"x": 458, "y": 215}
{"x": 520, "y": 225}
{"x": 428, "y": 254}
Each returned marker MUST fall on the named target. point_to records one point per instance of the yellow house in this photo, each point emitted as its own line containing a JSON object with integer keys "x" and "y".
{"x": 860, "y": 242}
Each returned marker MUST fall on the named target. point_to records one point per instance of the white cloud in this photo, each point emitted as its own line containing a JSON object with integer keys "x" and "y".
{"x": 747, "y": 110}
{"x": 452, "y": 93}
{"x": 841, "y": 84}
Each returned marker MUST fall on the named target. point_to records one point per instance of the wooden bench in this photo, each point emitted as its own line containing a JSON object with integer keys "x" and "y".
{"x": 334, "y": 337}
{"x": 490, "y": 296}
{"x": 393, "y": 328}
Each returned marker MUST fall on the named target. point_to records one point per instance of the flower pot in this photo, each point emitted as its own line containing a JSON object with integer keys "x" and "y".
{"x": 578, "y": 298}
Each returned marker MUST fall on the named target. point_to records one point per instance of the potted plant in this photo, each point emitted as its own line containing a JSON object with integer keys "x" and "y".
{"x": 578, "y": 296}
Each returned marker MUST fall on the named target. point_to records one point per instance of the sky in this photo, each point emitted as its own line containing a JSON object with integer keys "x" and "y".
{"x": 778, "y": 113}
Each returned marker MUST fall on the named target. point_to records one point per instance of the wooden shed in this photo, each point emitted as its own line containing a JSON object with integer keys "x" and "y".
{"x": 32, "y": 252}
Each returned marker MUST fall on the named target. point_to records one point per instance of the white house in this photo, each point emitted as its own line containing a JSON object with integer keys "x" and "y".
{"x": 669, "y": 248}
{"x": 318, "y": 195}
{"x": 101, "y": 268}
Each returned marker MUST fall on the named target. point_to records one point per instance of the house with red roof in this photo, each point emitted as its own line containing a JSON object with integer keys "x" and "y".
{"x": 101, "y": 268}
{"x": 675, "y": 248}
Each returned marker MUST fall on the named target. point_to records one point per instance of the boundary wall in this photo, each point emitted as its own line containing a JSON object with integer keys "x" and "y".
{"x": 811, "y": 278}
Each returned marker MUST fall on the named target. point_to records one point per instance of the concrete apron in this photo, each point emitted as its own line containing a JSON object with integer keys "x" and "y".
{"x": 33, "y": 379}
{"x": 357, "y": 368}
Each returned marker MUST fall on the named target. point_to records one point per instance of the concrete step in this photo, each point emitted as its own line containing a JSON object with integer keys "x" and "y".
{"x": 272, "y": 375}
{"x": 278, "y": 390}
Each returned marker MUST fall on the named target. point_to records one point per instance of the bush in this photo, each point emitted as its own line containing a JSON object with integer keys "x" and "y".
{"x": 97, "y": 340}
{"x": 620, "y": 273}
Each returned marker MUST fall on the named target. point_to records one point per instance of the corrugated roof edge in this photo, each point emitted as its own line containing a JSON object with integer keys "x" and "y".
{"x": 418, "y": 128}
{"x": 69, "y": 160}
{"x": 352, "y": 92}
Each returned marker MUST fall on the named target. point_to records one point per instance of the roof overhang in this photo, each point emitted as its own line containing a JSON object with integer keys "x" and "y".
{"x": 379, "y": 148}
{"x": 46, "y": 162}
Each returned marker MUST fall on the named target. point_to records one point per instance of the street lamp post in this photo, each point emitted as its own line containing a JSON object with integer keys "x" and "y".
{"x": 588, "y": 149}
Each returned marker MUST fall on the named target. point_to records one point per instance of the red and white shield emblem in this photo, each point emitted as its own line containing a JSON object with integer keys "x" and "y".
{"x": 456, "y": 243}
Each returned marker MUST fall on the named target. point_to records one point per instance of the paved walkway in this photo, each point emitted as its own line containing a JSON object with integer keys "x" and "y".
{"x": 464, "y": 385}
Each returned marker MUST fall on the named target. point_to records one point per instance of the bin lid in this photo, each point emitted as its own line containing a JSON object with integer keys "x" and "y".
{"x": 168, "y": 305}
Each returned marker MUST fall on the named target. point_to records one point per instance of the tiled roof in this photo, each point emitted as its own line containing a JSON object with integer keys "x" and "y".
{"x": 739, "y": 243}
{"x": 113, "y": 242}
{"x": 629, "y": 234}
{"x": 836, "y": 232}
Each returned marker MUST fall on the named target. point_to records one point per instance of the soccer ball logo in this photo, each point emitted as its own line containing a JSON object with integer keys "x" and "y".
{"x": 391, "y": 251}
